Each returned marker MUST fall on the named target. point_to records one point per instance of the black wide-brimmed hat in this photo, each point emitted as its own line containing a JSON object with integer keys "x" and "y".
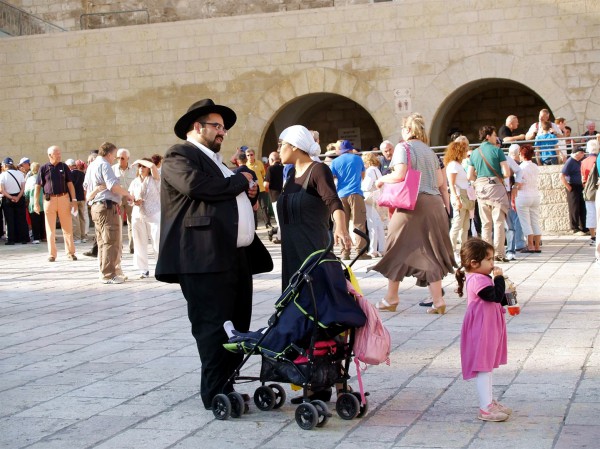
{"x": 203, "y": 107}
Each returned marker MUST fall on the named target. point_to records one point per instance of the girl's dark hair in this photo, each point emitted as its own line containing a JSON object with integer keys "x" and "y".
{"x": 473, "y": 249}
{"x": 485, "y": 131}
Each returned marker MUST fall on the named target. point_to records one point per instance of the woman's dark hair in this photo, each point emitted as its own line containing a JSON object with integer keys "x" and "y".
{"x": 157, "y": 159}
{"x": 526, "y": 152}
{"x": 485, "y": 131}
{"x": 473, "y": 249}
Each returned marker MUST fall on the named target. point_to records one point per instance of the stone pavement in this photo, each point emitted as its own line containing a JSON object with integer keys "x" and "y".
{"x": 87, "y": 365}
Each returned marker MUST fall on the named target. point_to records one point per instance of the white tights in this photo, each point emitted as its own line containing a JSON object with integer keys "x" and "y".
{"x": 484, "y": 389}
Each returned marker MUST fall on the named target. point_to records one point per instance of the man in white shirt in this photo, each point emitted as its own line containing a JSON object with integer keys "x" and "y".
{"x": 126, "y": 174}
{"x": 207, "y": 240}
{"x": 535, "y": 128}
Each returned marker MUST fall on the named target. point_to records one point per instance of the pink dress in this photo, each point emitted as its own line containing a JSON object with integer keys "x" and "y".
{"x": 483, "y": 336}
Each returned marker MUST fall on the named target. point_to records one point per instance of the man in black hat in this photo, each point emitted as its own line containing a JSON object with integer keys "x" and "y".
{"x": 207, "y": 239}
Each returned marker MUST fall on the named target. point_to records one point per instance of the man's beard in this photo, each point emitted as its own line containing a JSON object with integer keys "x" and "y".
{"x": 214, "y": 145}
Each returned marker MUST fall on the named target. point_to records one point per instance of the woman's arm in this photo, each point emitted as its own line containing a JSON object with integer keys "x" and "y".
{"x": 91, "y": 195}
{"x": 453, "y": 193}
{"x": 153, "y": 168}
{"x": 340, "y": 232}
{"x": 441, "y": 182}
{"x": 397, "y": 174}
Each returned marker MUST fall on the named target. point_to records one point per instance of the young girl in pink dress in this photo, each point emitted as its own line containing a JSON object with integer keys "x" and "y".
{"x": 483, "y": 335}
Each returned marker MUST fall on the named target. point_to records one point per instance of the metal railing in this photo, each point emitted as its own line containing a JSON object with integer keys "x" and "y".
{"x": 570, "y": 143}
{"x": 110, "y": 19}
{"x": 564, "y": 143}
{"x": 16, "y": 22}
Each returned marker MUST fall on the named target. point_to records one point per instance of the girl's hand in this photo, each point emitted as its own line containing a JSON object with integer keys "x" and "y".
{"x": 379, "y": 183}
{"x": 497, "y": 271}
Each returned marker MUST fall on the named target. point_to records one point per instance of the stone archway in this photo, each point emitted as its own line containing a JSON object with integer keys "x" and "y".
{"x": 485, "y": 102}
{"x": 297, "y": 97}
{"x": 466, "y": 73}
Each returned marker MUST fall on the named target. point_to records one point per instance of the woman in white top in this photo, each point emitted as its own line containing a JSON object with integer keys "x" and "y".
{"x": 145, "y": 216}
{"x": 463, "y": 206}
{"x": 528, "y": 201}
{"x": 371, "y": 193}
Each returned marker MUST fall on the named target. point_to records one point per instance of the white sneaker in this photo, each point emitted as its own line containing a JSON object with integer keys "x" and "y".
{"x": 115, "y": 280}
{"x": 77, "y": 241}
{"x": 36, "y": 242}
{"x": 83, "y": 240}
{"x": 144, "y": 274}
{"x": 510, "y": 256}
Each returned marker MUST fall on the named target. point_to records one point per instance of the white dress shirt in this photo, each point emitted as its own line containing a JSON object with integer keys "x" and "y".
{"x": 246, "y": 215}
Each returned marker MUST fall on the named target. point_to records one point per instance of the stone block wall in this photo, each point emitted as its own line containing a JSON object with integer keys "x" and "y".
{"x": 554, "y": 212}
{"x": 67, "y": 13}
{"x": 129, "y": 85}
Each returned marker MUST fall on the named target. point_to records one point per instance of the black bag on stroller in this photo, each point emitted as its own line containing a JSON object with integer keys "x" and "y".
{"x": 308, "y": 343}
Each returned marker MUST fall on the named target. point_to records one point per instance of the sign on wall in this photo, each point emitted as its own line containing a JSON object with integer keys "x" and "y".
{"x": 351, "y": 134}
{"x": 402, "y": 100}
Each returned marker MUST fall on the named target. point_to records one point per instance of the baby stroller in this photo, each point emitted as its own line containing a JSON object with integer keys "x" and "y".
{"x": 308, "y": 343}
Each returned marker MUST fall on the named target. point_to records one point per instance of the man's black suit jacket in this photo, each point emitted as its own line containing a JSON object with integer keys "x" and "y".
{"x": 199, "y": 217}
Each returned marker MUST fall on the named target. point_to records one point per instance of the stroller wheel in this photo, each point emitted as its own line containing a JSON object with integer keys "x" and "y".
{"x": 363, "y": 408}
{"x": 264, "y": 398}
{"x": 279, "y": 395}
{"x": 347, "y": 406}
{"x": 323, "y": 411}
{"x": 221, "y": 407}
{"x": 238, "y": 406}
{"x": 307, "y": 416}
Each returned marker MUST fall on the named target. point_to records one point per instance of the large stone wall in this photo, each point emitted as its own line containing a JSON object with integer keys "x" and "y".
{"x": 129, "y": 85}
{"x": 67, "y": 13}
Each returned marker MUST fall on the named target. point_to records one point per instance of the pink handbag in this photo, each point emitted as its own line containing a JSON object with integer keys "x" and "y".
{"x": 403, "y": 194}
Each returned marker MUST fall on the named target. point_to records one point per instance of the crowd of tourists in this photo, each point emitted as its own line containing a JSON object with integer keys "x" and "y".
{"x": 475, "y": 206}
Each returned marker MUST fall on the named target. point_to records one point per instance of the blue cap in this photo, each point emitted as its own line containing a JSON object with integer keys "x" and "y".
{"x": 8, "y": 161}
{"x": 243, "y": 148}
{"x": 345, "y": 146}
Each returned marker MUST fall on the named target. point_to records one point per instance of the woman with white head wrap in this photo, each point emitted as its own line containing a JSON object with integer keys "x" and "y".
{"x": 308, "y": 201}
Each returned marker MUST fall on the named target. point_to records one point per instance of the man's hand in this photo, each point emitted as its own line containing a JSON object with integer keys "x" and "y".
{"x": 36, "y": 207}
{"x": 252, "y": 185}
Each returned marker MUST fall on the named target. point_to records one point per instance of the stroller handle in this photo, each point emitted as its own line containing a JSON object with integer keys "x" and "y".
{"x": 364, "y": 248}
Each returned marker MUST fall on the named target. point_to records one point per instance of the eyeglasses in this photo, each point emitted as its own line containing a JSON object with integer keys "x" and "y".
{"x": 216, "y": 126}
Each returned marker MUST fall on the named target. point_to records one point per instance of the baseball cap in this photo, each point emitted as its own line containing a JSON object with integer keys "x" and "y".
{"x": 70, "y": 162}
{"x": 243, "y": 148}
{"x": 7, "y": 161}
{"x": 24, "y": 160}
{"x": 346, "y": 145}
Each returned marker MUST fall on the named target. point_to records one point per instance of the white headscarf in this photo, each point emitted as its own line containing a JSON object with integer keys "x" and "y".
{"x": 302, "y": 138}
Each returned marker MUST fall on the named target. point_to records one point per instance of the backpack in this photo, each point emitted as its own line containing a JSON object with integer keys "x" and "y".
{"x": 591, "y": 186}
{"x": 372, "y": 342}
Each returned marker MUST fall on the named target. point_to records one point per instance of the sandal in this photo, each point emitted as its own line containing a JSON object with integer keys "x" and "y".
{"x": 383, "y": 306}
{"x": 441, "y": 310}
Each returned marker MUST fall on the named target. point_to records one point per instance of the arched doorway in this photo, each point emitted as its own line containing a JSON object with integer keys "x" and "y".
{"x": 333, "y": 116}
{"x": 485, "y": 102}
